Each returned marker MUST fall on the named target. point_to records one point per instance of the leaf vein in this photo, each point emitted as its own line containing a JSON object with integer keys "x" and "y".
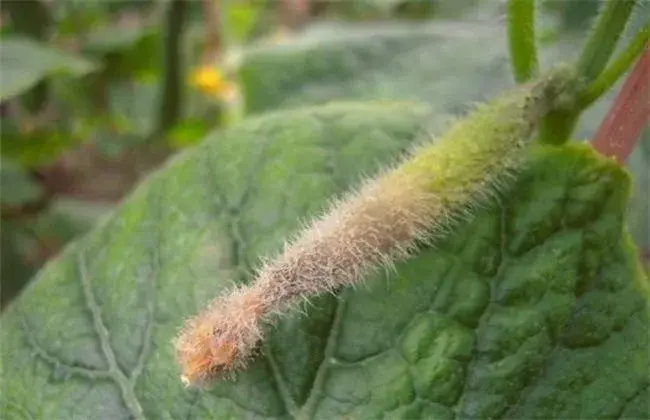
{"x": 283, "y": 389}
{"x": 56, "y": 362}
{"x": 116, "y": 373}
{"x": 308, "y": 409}
{"x": 147, "y": 334}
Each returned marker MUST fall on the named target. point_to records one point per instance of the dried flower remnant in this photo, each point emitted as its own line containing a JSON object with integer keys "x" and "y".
{"x": 419, "y": 199}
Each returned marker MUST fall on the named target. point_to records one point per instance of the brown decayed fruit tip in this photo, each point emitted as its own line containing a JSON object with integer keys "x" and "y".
{"x": 201, "y": 355}
{"x": 218, "y": 341}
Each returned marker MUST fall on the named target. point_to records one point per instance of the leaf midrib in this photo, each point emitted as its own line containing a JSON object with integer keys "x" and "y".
{"x": 121, "y": 379}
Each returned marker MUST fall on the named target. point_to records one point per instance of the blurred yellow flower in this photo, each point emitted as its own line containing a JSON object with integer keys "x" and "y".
{"x": 211, "y": 81}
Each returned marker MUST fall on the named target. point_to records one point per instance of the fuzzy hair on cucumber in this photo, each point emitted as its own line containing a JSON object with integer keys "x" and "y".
{"x": 419, "y": 199}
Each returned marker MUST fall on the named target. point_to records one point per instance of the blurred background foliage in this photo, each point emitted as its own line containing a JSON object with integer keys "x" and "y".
{"x": 95, "y": 94}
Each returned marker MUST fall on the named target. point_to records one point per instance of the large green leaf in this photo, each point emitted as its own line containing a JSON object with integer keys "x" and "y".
{"x": 24, "y": 63}
{"x": 444, "y": 63}
{"x": 536, "y": 308}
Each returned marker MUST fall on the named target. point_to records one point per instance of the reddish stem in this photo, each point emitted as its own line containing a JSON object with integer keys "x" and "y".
{"x": 621, "y": 129}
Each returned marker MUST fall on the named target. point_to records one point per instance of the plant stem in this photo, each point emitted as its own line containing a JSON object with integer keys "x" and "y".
{"x": 521, "y": 39}
{"x": 557, "y": 127}
{"x": 171, "y": 105}
{"x": 214, "y": 43}
{"x": 559, "y": 124}
{"x": 612, "y": 73}
{"x": 602, "y": 42}
{"x": 621, "y": 128}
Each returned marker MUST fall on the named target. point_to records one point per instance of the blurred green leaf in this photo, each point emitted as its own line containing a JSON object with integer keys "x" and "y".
{"x": 111, "y": 38}
{"x": 35, "y": 147}
{"x": 189, "y": 132}
{"x": 418, "y": 9}
{"x": 241, "y": 18}
{"x": 16, "y": 185}
{"x": 78, "y": 17}
{"x": 68, "y": 218}
{"x": 131, "y": 51}
{"x": 368, "y": 10}
{"x": 135, "y": 102}
{"x": 447, "y": 64}
{"x": 16, "y": 271}
{"x": 33, "y": 20}
{"x": 73, "y": 18}
{"x": 573, "y": 15}
{"x": 130, "y": 118}
{"x": 23, "y": 63}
